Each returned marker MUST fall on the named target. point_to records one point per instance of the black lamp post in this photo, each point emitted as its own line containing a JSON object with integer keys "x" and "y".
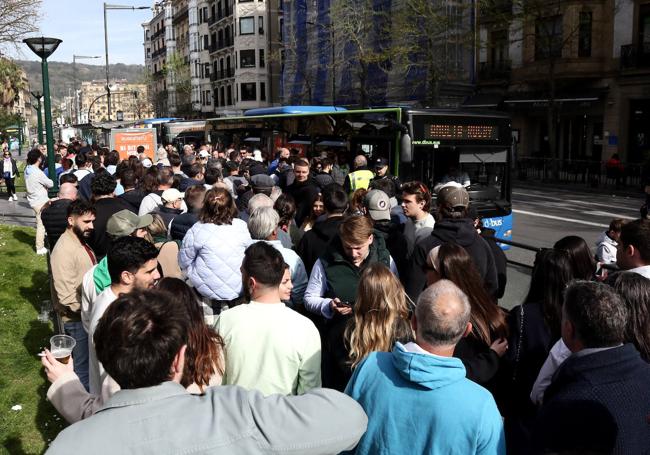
{"x": 37, "y": 96}
{"x": 44, "y": 47}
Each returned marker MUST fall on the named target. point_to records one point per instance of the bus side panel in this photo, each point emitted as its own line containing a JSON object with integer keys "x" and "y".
{"x": 502, "y": 226}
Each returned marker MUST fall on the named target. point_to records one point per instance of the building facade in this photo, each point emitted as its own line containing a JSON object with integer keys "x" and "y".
{"x": 580, "y": 67}
{"x": 321, "y": 65}
{"x": 129, "y": 102}
{"x": 214, "y": 59}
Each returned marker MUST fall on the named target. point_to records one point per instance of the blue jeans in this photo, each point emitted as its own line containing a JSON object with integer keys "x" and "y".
{"x": 80, "y": 352}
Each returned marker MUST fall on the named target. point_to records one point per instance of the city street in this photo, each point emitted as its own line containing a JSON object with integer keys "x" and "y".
{"x": 543, "y": 215}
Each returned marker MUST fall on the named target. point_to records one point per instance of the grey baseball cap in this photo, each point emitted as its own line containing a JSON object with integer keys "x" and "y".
{"x": 378, "y": 205}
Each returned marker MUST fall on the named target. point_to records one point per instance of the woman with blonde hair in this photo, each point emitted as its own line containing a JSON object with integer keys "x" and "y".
{"x": 381, "y": 315}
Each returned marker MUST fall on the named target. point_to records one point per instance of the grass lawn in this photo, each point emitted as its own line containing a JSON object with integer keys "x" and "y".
{"x": 23, "y": 285}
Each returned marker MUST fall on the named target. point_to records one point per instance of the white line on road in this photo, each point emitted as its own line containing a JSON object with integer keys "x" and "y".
{"x": 610, "y": 214}
{"x": 552, "y": 217}
{"x": 575, "y": 201}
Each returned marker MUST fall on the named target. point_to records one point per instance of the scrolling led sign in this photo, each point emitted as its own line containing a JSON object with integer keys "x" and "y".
{"x": 449, "y": 131}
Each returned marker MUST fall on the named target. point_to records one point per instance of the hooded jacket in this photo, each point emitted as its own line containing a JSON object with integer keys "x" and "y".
{"x": 423, "y": 402}
{"x": 606, "y": 249}
{"x": 460, "y": 231}
{"x": 304, "y": 193}
{"x": 314, "y": 243}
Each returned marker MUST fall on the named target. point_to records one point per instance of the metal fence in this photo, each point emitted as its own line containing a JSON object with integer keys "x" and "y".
{"x": 588, "y": 172}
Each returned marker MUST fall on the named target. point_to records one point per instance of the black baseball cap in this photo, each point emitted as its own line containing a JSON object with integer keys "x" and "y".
{"x": 381, "y": 162}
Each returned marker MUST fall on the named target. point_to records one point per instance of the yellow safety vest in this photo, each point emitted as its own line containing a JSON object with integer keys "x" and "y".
{"x": 360, "y": 179}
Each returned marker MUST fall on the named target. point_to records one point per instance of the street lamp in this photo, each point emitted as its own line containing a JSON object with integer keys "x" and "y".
{"x": 44, "y": 47}
{"x": 108, "y": 6}
{"x": 74, "y": 76}
{"x": 38, "y": 96}
{"x": 329, "y": 28}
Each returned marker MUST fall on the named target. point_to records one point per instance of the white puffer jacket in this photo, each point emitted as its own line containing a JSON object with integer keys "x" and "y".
{"x": 211, "y": 257}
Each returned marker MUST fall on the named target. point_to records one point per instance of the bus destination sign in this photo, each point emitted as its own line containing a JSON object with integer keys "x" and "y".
{"x": 450, "y": 131}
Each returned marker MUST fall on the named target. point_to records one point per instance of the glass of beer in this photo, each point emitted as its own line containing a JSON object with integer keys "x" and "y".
{"x": 61, "y": 347}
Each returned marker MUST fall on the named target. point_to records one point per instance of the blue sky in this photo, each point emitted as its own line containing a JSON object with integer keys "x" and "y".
{"x": 80, "y": 24}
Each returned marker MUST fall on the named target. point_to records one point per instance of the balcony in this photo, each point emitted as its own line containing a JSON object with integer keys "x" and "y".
{"x": 161, "y": 51}
{"x": 222, "y": 74}
{"x": 635, "y": 56}
{"x": 498, "y": 70}
{"x": 180, "y": 15}
{"x": 223, "y": 44}
{"x": 158, "y": 33}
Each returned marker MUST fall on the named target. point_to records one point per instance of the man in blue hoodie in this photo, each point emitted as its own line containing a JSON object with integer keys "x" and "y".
{"x": 417, "y": 397}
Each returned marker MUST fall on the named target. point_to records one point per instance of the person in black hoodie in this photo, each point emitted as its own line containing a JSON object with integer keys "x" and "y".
{"x": 183, "y": 222}
{"x": 377, "y": 205}
{"x": 132, "y": 195}
{"x": 304, "y": 190}
{"x": 500, "y": 260}
{"x": 314, "y": 243}
{"x": 452, "y": 225}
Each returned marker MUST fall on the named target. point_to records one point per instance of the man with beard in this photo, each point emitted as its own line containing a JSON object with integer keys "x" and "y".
{"x": 288, "y": 360}
{"x": 70, "y": 260}
{"x": 132, "y": 265}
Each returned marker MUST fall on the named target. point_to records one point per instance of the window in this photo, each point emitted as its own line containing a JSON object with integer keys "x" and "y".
{"x": 548, "y": 38}
{"x": 229, "y": 92}
{"x": 584, "y": 35}
{"x": 246, "y": 25}
{"x": 247, "y": 59}
{"x": 248, "y": 91}
{"x": 260, "y": 25}
{"x": 245, "y": 1}
{"x": 262, "y": 58}
{"x": 262, "y": 91}
{"x": 206, "y": 42}
{"x": 499, "y": 48}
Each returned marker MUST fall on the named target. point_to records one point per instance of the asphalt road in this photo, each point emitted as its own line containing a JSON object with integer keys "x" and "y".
{"x": 543, "y": 215}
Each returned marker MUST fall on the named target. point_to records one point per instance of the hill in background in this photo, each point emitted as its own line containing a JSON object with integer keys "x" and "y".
{"x": 62, "y": 75}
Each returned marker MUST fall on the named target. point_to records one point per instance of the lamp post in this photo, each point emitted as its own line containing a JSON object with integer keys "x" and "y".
{"x": 44, "y": 47}
{"x": 74, "y": 76}
{"x": 108, "y": 6}
{"x": 330, "y": 29}
{"x": 38, "y": 96}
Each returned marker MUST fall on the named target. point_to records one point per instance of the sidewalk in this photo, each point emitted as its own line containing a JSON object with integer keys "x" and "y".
{"x": 18, "y": 213}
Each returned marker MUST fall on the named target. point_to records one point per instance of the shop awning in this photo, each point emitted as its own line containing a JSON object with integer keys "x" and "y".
{"x": 484, "y": 101}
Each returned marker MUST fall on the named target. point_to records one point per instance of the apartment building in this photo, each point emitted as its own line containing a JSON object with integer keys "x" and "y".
{"x": 582, "y": 65}
{"x": 128, "y": 101}
{"x": 213, "y": 60}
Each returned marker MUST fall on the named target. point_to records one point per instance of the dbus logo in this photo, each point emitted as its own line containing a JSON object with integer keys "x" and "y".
{"x": 492, "y": 222}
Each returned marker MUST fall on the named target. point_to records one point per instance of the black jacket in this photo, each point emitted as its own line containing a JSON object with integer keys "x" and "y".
{"x": 500, "y": 261}
{"x": 133, "y": 198}
{"x": 107, "y": 207}
{"x": 460, "y": 231}
{"x": 304, "y": 194}
{"x": 323, "y": 179}
{"x": 395, "y": 242}
{"x": 188, "y": 182}
{"x": 598, "y": 402}
{"x": 181, "y": 224}
{"x": 314, "y": 243}
{"x": 55, "y": 220}
{"x": 167, "y": 214}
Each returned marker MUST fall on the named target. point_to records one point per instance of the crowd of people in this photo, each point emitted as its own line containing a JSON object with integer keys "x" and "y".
{"x": 352, "y": 312}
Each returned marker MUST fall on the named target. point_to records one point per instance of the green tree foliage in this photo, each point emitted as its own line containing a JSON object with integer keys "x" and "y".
{"x": 11, "y": 83}
{"x": 179, "y": 72}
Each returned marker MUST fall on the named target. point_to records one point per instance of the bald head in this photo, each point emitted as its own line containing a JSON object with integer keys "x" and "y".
{"x": 442, "y": 314}
{"x": 360, "y": 161}
{"x": 68, "y": 191}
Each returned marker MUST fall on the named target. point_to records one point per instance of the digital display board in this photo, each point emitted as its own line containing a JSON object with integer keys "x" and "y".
{"x": 460, "y": 130}
{"x": 440, "y": 131}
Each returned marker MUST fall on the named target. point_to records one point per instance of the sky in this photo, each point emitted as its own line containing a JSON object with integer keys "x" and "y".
{"x": 80, "y": 24}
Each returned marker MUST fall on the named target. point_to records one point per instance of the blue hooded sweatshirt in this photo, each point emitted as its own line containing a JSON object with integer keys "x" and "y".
{"x": 422, "y": 403}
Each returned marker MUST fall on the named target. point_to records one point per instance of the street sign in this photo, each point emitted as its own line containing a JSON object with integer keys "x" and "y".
{"x": 127, "y": 140}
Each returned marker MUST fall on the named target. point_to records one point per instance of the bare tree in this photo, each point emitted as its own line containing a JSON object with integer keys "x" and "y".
{"x": 429, "y": 39}
{"x": 293, "y": 55}
{"x": 179, "y": 70}
{"x": 363, "y": 33}
{"x": 18, "y": 19}
{"x": 548, "y": 35}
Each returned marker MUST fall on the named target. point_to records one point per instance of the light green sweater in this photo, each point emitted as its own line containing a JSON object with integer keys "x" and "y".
{"x": 270, "y": 348}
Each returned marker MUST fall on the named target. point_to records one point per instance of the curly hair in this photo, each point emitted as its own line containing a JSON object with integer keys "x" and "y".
{"x": 381, "y": 314}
